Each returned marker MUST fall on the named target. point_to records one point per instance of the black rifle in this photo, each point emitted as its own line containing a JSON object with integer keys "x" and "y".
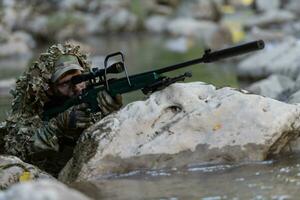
{"x": 147, "y": 81}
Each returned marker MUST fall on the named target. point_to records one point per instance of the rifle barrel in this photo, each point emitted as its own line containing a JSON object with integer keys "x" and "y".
{"x": 234, "y": 51}
{"x": 217, "y": 55}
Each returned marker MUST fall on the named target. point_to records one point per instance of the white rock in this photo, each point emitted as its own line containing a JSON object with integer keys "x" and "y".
{"x": 18, "y": 45}
{"x": 267, "y": 5}
{"x": 24, "y": 37}
{"x": 199, "y": 9}
{"x": 156, "y": 24}
{"x": 184, "y": 124}
{"x": 272, "y": 87}
{"x": 266, "y": 34}
{"x": 294, "y": 98}
{"x": 191, "y": 27}
{"x": 122, "y": 20}
{"x": 282, "y": 58}
{"x": 111, "y": 20}
{"x": 270, "y": 18}
{"x": 12, "y": 168}
{"x": 41, "y": 190}
{"x": 294, "y": 6}
{"x": 180, "y": 44}
{"x": 71, "y": 4}
{"x": 205, "y": 31}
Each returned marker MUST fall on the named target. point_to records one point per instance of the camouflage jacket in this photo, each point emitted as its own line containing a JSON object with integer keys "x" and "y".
{"x": 24, "y": 127}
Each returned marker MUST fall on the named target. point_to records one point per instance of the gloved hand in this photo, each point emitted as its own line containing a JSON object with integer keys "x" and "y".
{"x": 78, "y": 117}
{"x": 68, "y": 124}
{"x": 107, "y": 103}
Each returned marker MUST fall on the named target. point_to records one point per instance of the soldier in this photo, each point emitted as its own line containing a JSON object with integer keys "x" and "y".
{"x": 46, "y": 84}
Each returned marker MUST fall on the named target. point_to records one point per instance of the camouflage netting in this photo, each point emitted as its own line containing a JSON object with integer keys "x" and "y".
{"x": 29, "y": 95}
{"x": 29, "y": 98}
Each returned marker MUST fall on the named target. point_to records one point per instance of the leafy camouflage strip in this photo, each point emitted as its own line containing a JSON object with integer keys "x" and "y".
{"x": 29, "y": 98}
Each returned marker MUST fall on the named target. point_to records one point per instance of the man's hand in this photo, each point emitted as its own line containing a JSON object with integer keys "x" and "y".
{"x": 70, "y": 124}
{"x": 107, "y": 103}
{"x": 78, "y": 117}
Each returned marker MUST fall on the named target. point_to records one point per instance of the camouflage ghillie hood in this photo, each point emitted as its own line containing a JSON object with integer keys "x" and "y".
{"x": 29, "y": 96}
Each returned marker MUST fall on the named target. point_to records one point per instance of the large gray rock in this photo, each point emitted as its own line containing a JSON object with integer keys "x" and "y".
{"x": 266, "y": 35}
{"x": 180, "y": 44}
{"x": 17, "y": 45}
{"x": 156, "y": 24}
{"x": 267, "y": 5}
{"x": 41, "y": 190}
{"x": 13, "y": 170}
{"x": 184, "y": 124}
{"x": 199, "y": 9}
{"x": 294, "y": 6}
{"x": 282, "y": 58}
{"x": 208, "y": 32}
{"x": 191, "y": 27}
{"x": 267, "y": 19}
{"x": 294, "y": 98}
{"x": 111, "y": 20}
{"x": 273, "y": 86}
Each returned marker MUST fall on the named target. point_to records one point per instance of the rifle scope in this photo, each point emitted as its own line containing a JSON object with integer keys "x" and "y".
{"x": 112, "y": 69}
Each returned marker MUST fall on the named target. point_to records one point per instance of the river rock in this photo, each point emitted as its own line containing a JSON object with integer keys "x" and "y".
{"x": 191, "y": 27}
{"x": 107, "y": 4}
{"x": 294, "y": 6}
{"x": 282, "y": 58}
{"x": 273, "y": 86}
{"x": 156, "y": 24}
{"x": 266, "y": 35}
{"x": 180, "y": 44}
{"x": 294, "y": 98}
{"x": 122, "y": 20}
{"x": 17, "y": 45}
{"x": 205, "y": 31}
{"x": 72, "y": 4}
{"x": 9, "y": 17}
{"x": 267, "y": 5}
{"x": 42, "y": 190}
{"x": 267, "y": 19}
{"x": 199, "y": 9}
{"x": 184, "y": 124}
{"x": 13, "y": 170}
{"x": 111, "y": 20}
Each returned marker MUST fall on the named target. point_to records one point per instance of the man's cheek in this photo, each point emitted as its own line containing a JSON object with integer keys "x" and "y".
{"x": 83, "y": 85}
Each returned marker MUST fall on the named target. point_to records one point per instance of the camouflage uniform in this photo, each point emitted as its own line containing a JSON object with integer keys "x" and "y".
{"x": 29, "y": 137}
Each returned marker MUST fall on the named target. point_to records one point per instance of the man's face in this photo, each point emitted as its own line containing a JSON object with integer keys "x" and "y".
{"x": 65, "y": 88}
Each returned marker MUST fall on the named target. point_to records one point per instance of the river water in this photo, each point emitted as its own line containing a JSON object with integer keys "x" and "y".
{"x": 274, "y": 179}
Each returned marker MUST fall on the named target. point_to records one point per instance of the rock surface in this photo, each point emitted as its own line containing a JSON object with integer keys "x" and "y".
{"x": 273, "y": 86}
{"x": 41, "y": 190}
{"x": 14, "y": 170}
{"x": 270, "y": 18}
{"x": 282, "y": 58}
{"x": 184, "y": 124}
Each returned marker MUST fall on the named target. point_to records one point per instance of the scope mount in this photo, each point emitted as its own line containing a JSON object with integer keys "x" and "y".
{"x": 106, "y": 63}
